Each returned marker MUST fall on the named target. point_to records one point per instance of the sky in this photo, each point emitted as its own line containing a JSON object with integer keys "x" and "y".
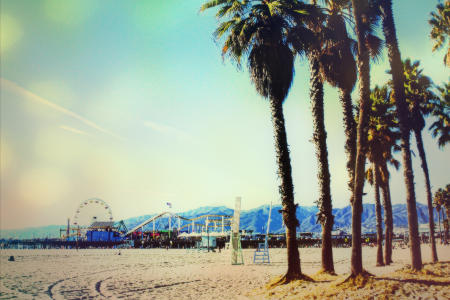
{"x": 131, "y": 102}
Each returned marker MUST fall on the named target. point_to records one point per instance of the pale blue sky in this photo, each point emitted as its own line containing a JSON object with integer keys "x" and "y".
{"x": 129, "y": 101}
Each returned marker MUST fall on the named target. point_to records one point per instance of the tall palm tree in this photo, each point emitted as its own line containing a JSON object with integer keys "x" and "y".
{"x": 386, "y": 131}
{"x": 324, "y": 216}
{"x": 258, "y": 31}
{"x": 381, "y": 141}
{"x": 419, "y": 97}
{"x": 441, "y": 110}
{"x": 338, "y": 68}
{"x": 373, "y": 177}
{"x": 446, "y": 204}
{"x": 437, "y": 203}
{"x": 361, "y": 10}
{"x": 440, "y": 29}
{"x": 402, "y": 113}
{"x": 387, "y": 204}
{"x": 442, "y": 199}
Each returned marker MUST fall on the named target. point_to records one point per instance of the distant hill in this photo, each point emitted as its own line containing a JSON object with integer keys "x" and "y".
{"x": 254, "y": 219}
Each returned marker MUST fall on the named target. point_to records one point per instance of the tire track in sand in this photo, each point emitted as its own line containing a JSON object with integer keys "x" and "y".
{"x": 50, "y": 289}
{"x": 98, "y": 286}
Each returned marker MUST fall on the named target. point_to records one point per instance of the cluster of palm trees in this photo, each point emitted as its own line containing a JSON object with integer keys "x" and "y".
{"x": 267, "y": 35}
{"x": 383, "y": 138}
{"x": 442, "y": 203}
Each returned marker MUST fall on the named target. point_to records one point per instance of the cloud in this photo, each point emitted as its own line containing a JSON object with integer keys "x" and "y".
{"x": 14, "y": 87}
{"x": 166, "y": 129}
{"x": 73, "y": 130}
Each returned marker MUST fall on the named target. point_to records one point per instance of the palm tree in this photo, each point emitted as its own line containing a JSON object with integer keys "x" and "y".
{"x": 373, "y": 177}
{"x": 381, "y": 141}
{"x": 361, "y": 10}
{"x": 437, "y": 202}
{"x": 258, "y": 31}
{"x": 390, "y": 136}
{"x": 324, "y": 216}
{"x": 338, "y": 68}
{"x": 402, "y": 114}
{"x": 419, "y": 96}
{"x": 442, "y": 199}
{"x": 440, "y": 28}
{"x": 446, "y": 205}
{"x": 387, "y": 204}
{"x": 441, "y": 110}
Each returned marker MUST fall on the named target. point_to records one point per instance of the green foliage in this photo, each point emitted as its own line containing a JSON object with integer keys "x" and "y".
{"x": 383, "y": 132}
{"x": 418, "y": 93}
{"x": 440, "y": 29}
{"x": 440, "y": 109}
{"x": 442, "y": 198}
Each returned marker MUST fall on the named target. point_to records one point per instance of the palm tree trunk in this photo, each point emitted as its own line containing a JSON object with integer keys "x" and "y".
{"x": 402, "y": 113}
{"x": 421, "y": 149}
{"x": 286, "y": 189}
{"x": 446, "y": 224}
{"x": 350, "y": 134}
{"x": 440, "y": 228}
{"x": 388, "y": 219}
{"x": 376, "y": 178}
{"x": 325, "y": 216}
{"x": 364, "y": 106}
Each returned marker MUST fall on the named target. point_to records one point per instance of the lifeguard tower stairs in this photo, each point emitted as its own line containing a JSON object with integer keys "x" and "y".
{"x": 261, "y": 255}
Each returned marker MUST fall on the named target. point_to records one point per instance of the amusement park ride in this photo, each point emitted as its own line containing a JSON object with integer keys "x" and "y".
{"x": 93, "y": 222}
{"x": 94, "y": 225}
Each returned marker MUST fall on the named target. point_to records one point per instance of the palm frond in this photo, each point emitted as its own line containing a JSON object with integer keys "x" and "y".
{"x": 213, "y": 3}
{"x": 375, "y": 46}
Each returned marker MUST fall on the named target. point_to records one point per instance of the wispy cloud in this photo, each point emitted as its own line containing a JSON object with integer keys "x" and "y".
{"x": 14, "y": 87}
{"x": 166, "y": 129}
{"x": 73, "y": 130}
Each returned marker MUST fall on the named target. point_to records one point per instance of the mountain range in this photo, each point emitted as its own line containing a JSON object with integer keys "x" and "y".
{"x": 253, "y": 219}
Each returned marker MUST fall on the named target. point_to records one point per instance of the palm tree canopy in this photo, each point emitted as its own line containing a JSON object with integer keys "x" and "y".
{"x": 442, "y": 198}
{"x": 338, "y": 63}
{"x": 440, "y": 28}
{"x": 261, "y": 32}
{"x": 418, "y": 93}
{"x": 441, "y": 111}
{"x": 383, "y": 133}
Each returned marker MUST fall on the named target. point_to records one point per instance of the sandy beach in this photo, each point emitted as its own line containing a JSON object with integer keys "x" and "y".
{"x": 165, "y": 274}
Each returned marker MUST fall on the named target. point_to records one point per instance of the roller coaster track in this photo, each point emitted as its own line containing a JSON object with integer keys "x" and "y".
{"x": 225, "y": 218}
{"x": 203, "y": 225}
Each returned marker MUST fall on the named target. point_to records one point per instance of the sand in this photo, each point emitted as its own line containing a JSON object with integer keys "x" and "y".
{"x": 181, "y": 274}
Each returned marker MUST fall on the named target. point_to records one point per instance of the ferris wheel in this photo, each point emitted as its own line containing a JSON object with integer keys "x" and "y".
{"x": 92, "y": 210}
